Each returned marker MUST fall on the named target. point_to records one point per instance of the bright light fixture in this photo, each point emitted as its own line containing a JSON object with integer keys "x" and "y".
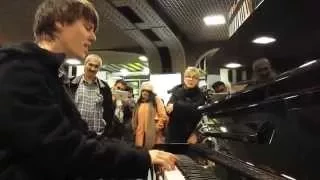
{"x": 73, "y": 61}
{"x": 143, "y": 58}
{"x": 264, "y": 40}
{"x": 233, "y": 65}
{"x": 124, "y": 71}
{"x": 223, "y": 129}
{"x": 214, "y": 20}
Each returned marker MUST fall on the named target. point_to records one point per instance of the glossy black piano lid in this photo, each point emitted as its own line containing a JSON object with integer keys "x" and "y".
{"x": 290, "y": 83}
{"x": 291, "y": 104}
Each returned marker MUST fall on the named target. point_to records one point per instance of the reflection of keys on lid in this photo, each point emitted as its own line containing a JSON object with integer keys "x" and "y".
{"x": 173, "y": 175}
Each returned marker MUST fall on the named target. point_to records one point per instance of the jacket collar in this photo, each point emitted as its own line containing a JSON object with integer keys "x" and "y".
{"x": 31, "y": 49}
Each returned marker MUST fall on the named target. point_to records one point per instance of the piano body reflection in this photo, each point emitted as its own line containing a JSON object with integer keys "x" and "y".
{"x": 271, "y": 131}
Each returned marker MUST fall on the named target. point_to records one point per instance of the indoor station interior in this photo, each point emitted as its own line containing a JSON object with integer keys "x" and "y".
{"x": 230, "y": 87}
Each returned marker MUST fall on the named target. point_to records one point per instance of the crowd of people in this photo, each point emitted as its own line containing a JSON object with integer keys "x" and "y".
{"x": 142, "y": 123}
{"x": 53, "y": 127}
{"x": 56, "y": 127}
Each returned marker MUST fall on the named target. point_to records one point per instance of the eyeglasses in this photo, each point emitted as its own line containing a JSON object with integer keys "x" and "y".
{"x": 191, "y": 77}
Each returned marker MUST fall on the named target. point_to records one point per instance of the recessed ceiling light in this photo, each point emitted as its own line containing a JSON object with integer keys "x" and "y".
{"x": 143, "y": 58}
{"x": 214, "y": 20}
{"x": 264, "y": 40}
{"x": 223, "y": 129}
{"x": 233, "y": 65}
{"x": 73, "y": 61}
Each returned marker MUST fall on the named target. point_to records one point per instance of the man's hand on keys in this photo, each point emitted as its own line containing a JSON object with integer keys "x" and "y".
{"x": 165, "y": 160}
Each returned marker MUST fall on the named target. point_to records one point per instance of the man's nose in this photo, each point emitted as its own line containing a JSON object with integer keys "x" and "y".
{"x": 92, "y": 37}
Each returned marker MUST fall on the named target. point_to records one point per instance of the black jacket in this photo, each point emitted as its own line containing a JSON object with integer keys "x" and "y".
{"x": 42, "y": 134}
{"x": 184, "y": 117}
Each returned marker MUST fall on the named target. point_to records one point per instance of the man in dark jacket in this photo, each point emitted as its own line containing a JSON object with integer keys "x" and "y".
{"x": 182, "y": 108}
{"x": 42, "y": 134}
{"x": 93, "y": 98}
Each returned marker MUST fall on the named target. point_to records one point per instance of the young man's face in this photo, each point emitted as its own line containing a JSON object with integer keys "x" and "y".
{"x": 76, "y": 38}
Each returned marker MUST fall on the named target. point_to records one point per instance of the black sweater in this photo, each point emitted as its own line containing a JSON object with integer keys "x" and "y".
{"x": 42, "y": 134}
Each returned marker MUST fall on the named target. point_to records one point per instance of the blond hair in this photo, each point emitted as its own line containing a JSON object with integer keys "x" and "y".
{"x": 192, "y": 71}
{"x": 93, "y": 56}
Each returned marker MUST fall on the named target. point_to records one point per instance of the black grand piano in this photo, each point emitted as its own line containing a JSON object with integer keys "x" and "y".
{"x": 271, "y": 131}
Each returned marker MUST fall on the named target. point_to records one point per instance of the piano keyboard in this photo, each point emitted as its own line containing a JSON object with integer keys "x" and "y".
{"x": 173, "y": 175}
{"x": 187, "y": 169}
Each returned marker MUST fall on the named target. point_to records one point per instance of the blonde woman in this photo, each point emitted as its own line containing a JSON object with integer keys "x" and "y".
{"x": 182, "y": 108}
{"x": 149, "y": 118}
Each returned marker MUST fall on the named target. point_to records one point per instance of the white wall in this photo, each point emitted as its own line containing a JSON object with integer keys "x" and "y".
{"x": 224, "y": 75}
{"x": 80, "y": 70}
{"x": 212, "y": 78}
{"x": 164, "y": 82}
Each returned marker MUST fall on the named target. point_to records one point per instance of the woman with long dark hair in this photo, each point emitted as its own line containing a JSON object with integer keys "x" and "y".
{"x": 149, "y": 118}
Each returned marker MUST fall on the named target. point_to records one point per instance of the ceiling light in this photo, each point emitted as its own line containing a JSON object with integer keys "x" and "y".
{"x": 143, "y": 58}
{"x": 223, "y": 129}
{"x": 214, "y": 20}
{"x": 233, "y": 65}
{"x": 264, "y": 40}
{"x": 73, "y": 61}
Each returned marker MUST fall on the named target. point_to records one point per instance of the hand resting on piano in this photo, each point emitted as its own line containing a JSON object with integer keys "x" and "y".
{"x": 188, "y": 169}
{"x": 165, "y": 160}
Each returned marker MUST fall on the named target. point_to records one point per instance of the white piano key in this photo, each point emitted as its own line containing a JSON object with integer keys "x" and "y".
{"x": 173, "y": 175}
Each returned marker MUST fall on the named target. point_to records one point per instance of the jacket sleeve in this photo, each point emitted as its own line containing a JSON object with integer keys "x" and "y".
{"x": 109, "y": 106}
{"x": 172, "y": 99}
{"x": 35, "y": 129}
{"x": 161, "y": 111}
